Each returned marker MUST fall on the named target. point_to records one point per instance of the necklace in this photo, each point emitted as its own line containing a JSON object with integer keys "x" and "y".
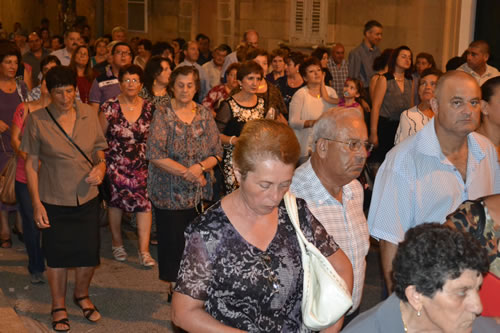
{"x": 131, "y": 106}
{"x": 401, "y": 310}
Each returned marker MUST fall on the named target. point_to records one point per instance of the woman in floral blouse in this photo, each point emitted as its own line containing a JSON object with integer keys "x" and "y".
{"x": 183, "y": 147}
{"x": 236, "y": 111}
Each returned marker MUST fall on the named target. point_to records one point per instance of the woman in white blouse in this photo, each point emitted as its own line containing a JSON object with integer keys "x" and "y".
{"x": 308, "y": 103}
{"x": 415, "y": 118}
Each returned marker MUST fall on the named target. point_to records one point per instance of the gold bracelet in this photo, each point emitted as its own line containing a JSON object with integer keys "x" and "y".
{"x": 231, "y": 140}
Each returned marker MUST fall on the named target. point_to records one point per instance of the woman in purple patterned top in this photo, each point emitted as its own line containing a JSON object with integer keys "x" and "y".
{"x": 125, "y": 121}
{"x": 242, "y": 267}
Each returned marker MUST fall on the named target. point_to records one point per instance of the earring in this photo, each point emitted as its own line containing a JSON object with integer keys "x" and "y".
{"x": 418, "y": 313}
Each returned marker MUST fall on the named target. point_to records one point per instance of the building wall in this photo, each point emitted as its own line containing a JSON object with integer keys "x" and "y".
{"x": 424, "y": 25}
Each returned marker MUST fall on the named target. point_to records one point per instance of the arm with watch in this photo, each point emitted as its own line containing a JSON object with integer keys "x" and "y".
{"x": 195, "y": 172}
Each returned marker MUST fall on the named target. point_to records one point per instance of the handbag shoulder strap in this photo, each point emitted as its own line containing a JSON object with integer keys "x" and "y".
{"x": 68, "y": 137}
{"x": 293, "y": 214}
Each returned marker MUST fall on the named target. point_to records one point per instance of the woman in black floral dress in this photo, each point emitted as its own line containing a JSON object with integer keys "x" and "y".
{"x": 241, "y": 268}
{"x": 236, "y": 111}
{"x": 125, "y": 121}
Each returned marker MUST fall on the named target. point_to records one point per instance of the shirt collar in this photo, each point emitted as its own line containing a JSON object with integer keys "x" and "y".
{"x": 321, "y": 195}
{"x": 428, "y": 143}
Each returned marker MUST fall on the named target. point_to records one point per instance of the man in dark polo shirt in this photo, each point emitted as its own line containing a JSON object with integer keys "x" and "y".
{"x": 106, "y": 85}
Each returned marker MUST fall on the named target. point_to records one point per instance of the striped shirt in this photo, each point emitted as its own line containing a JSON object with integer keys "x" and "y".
{"x": 339, "y": 75}
{"x": 418, "y": 184}
{"x": 345, "y": 220}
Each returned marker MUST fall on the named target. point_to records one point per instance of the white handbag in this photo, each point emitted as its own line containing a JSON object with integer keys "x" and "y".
{"x": 325, "y": 296}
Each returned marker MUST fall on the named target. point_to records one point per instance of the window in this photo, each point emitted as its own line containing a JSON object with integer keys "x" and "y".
{"x": 308, "y": 21}
{"x": 225, "y": 21}
{"x": 137, "y": 18}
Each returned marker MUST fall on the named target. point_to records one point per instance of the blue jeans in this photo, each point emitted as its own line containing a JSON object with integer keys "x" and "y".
{"x": 36, "y": 260}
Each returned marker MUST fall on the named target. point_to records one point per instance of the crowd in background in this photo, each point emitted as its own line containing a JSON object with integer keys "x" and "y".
{"x": 165, "y": 127}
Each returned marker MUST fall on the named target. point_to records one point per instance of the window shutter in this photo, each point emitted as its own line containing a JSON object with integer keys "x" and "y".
{"x": 308, "y": 21}
{"x": 137, "y": 18}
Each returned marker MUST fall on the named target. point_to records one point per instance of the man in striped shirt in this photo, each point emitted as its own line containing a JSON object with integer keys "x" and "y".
{"x": 327, "y": 182}
{"x": 427, "y": 176}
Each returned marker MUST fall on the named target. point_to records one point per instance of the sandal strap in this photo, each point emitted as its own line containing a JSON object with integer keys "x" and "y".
{"x": 57, "y": 310}
{"x": 81, "y": 298}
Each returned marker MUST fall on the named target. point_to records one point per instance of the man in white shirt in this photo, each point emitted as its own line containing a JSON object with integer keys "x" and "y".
{"x": 191, "y": 54}
{"x": 478, "y": 54}
{"x": 250, "y": 38}
{"x": 71, "y": 38}
{"x": 214, "y": 66}
{"x": 327, "y": 182}
{"x": 428, "y": 175}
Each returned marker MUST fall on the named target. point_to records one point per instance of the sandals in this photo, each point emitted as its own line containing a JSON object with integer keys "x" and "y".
{"x": 146, "y": 260}
{"x": 6, "y": 243}
{"x": 119, "y": 253}
{"x": 64, "y": 321}
{"x": 87, "y": 312}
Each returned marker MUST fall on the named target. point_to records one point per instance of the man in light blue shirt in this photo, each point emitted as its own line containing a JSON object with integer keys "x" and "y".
{"x": 191, "y": 54}
{"x": 428, "y": 175}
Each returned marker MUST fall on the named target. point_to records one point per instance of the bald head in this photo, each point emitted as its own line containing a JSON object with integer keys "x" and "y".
{"x": 449, "y": 78}
{"x": 338, "y": 53}
{"x": 332, "y": 121}
{"x": 251, "y": 38}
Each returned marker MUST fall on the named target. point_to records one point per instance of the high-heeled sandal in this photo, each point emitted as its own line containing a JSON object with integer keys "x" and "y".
{"x": 87, "y": 312}
{"x": 64, "y": 321}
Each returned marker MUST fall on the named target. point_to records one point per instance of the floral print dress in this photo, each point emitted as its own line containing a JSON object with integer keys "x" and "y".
{"x": 127, "y": 167}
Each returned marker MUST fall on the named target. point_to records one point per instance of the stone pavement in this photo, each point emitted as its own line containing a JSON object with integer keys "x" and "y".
{"x": 130, "y": 298}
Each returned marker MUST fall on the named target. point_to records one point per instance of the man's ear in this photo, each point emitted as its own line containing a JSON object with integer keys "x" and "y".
{"x": 434, "y": 105}
{"x": 321, "y": 147}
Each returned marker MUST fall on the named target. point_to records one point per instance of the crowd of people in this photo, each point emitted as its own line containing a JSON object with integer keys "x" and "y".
{"x": 200, "y": 146}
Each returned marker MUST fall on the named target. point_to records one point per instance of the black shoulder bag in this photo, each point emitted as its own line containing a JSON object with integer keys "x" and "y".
{"x": 104, "y": 187}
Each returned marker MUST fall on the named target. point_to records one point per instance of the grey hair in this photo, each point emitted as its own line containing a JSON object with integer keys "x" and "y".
{"x": 326, "y": 126}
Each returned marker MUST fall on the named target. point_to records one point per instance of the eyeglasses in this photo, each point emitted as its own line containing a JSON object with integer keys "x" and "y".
{"x": 270, "y": 274}
{"x": 123, "y": 53}
{"x": 134, "y": 81}
{"x": 354, "y": 145}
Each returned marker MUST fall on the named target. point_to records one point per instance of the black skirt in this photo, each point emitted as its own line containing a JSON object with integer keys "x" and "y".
{"x": 73, "y": 239}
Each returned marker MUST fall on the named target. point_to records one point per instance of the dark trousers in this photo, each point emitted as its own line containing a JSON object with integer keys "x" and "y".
{"x": 170, "y": 227}
{"x": 387, "y": 129}
{"x": 36, "y": 260}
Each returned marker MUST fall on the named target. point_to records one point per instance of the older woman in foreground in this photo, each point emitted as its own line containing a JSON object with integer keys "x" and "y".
{"x": 63, "y": 190}
{"x": 241, "y": 269}
{"x": 437, "y": 274}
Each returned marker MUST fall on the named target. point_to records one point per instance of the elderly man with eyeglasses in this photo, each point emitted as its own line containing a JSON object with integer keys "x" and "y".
{"x": 327, "y": 182}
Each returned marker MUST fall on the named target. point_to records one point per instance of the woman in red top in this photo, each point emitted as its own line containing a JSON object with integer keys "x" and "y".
{"x": 80, "y": 63}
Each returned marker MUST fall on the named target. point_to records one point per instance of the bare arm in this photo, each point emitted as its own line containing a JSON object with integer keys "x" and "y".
{"x": 324, "y": 93}
{"x": 378, "y": 98}
{"x": 39, "y": 213}
{"x": 15, "y": 132}
{"x": 189, "y": 314}
{"x": 387, "y": 254}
